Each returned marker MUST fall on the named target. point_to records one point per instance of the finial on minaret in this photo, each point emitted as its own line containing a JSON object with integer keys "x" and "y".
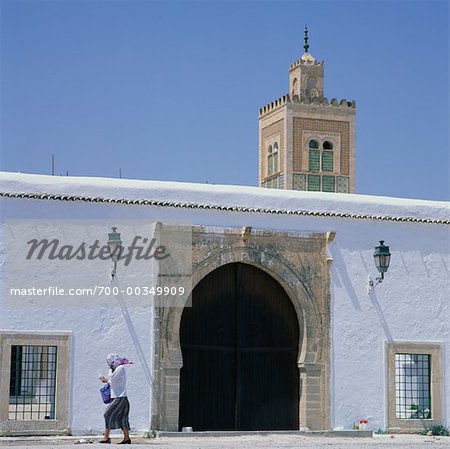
{"x": 306, "y": 46}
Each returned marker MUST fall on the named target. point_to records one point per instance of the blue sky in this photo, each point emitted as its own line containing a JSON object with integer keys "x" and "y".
{"x": 170, "y": 90}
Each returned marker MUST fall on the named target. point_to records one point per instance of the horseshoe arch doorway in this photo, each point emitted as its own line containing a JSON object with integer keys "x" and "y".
{"x": 239, "y": 343}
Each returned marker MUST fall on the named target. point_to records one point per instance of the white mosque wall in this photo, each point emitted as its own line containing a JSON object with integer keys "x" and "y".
{"x": 412, "y": 304}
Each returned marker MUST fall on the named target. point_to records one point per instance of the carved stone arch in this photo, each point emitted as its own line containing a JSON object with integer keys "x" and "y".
{"x": 299, "y": 264}
{"x": 281, "y": 270}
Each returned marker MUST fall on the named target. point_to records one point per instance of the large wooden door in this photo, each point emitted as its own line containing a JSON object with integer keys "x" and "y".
{"x": 239, "y": 342}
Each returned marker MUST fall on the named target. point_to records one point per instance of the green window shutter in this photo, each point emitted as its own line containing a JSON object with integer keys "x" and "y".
{"x": 275, "y": 163}
{"x": 327, "y": 161}
{"x": 328, "y": 183}
{"x": 314, "y": 183}
{"x": 314, "y": 160}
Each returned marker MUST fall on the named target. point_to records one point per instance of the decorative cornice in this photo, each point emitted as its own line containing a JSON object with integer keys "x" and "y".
{"x": 262, "y": 210}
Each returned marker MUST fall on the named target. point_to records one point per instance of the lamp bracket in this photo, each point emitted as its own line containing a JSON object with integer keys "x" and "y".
{"x": 114, "y": 269}
{"x": 373, "y": 283}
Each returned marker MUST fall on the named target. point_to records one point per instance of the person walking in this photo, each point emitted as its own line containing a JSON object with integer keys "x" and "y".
{"x": 116, "y": 414}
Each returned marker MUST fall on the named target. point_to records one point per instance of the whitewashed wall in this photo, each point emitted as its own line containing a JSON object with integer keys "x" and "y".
{"x": 412, "y": 304}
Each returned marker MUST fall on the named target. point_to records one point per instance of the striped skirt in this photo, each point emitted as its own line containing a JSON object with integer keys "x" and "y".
{"x": 116, "y": 414}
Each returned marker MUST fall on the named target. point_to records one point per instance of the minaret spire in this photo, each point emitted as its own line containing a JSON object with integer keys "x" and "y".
{"x": 306, "y": 46}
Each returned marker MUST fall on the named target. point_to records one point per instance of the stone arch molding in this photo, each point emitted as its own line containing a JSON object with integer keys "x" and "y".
{"x": 299, "y": 263}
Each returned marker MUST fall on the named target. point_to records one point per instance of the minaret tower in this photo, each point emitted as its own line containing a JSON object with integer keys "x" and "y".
{"x": 306, "y": 76}
{"x": 305, "y": 141}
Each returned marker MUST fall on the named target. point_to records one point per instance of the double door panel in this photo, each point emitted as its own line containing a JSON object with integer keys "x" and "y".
{"x": 239, "y": 343}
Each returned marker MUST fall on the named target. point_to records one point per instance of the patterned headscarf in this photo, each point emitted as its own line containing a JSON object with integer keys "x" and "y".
{"x": 113, "y": 360}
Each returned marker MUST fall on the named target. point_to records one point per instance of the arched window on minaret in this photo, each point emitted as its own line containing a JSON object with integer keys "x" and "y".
{"x": 327, "y": 156}
{"x": 272, "y": 159}
{"x": 314, "y": 156}
{"x": 321, "y": 166}
{"x": 294, "y": 88}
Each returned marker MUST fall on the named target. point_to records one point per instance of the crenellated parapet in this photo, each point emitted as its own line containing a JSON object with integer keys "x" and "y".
{"x": 308, "y": 60}
{"x": 319, "y": 101}
{"x": 274, "y": 105}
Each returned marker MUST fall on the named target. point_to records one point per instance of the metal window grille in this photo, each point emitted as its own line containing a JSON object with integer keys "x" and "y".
{"x": 327, "y": 161}
{"x": 314, "y": 183}
{"x": 32, "y": 385}
{"x": 412, "y": 386}
{"x": 270, "y": 163}
{"x": 328, "y": 183}
{"x": 275, "y": 163}
{"x": 314, "y": 160}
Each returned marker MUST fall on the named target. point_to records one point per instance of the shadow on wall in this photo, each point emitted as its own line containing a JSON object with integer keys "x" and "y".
{"x": 420, "y": 250}
{"x": 341, "y": 277}
{"x": 444, "y": 264}
{"x": 374, "y": 300}
{"x": 135, "y": 338}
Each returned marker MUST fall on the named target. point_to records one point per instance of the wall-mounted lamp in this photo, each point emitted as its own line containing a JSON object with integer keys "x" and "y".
{"x": 115, "y": 248}
{"x": 382, "y": 258}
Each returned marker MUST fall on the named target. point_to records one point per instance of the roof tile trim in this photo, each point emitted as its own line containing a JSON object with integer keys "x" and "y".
{"x": 156, "y": 203}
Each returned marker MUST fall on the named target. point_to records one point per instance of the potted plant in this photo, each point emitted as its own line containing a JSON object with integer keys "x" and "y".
{"x": 414, "y": 409}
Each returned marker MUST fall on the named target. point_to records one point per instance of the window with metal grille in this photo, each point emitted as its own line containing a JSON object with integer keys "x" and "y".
{"x": 327, "y": 161}
{"x": 314, "y": 183}
{"x": 272, "y": 159}
{"x": 275, "y": 157}
{"x": 32, "y": 384}
{"x": 412, "y": 386}
{"x": 328, "y": 183}
{"x": 314, "y": 160}
{"x": 321, "y": 160}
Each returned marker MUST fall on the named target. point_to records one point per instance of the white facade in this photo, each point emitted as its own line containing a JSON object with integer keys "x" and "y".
{"x": 411, "y": 305}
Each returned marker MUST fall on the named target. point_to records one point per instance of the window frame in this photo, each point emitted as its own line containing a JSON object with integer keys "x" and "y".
{"x": 320, "y": 151}
{"x": 321, "y": 137}
{"x": 412, "y": 425}
{"x": 58, "y": 426}
{"x": 294, "y": 87}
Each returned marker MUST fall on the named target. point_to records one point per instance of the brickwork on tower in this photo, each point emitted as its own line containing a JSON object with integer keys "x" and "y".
{"x": 327, "y": 126}
{"x": 271, "y": 133}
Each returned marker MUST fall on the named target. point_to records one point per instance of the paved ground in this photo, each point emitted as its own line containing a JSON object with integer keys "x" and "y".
{"x": 251, "y": 442}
